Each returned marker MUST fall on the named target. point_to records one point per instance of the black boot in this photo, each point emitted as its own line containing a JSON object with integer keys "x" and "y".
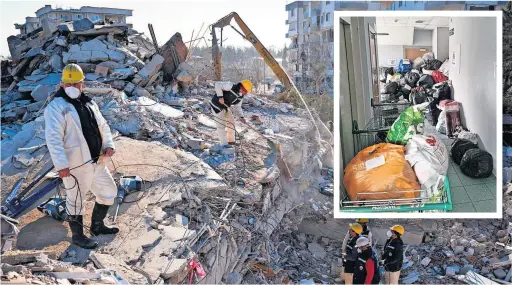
{"x": 98, "y": 227}
{"x": 77, "y": 231}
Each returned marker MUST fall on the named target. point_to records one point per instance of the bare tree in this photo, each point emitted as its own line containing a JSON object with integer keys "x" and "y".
{"x": 318, "y": 60}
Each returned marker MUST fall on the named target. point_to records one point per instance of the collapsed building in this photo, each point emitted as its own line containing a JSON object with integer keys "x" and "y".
{"x": 260, "y": 213}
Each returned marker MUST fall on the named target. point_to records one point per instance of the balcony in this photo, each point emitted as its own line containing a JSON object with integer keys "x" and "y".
{"x": 351, "y": 5}
{"x": 292, "y": 33}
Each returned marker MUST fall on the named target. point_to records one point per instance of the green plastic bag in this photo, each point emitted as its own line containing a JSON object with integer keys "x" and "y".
{"x": 409, "y": 123}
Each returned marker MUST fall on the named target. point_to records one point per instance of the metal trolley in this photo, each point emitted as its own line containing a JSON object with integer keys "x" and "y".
{"x": 373, "y": 133}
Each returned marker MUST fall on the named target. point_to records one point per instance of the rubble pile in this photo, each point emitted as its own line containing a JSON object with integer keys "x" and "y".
{"x": 38, "y": 268}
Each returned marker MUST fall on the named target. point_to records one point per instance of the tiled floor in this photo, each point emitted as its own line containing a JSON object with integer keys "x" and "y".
{"x": 468, "y": 194}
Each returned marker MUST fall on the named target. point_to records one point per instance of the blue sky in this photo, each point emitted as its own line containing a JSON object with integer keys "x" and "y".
{"x": 265, "y": 18}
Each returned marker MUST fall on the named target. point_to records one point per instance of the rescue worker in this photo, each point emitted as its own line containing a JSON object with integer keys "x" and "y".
{"x": 228, "y": 95}
{"x": 350, "y": 253}
{"x": 76, "y": 135}
{"x": 366, "y": 230}
{"x": 366, "y": 270}
{"x": 392, "y": 256}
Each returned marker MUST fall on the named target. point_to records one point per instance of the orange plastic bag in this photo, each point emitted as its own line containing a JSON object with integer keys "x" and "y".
{"x": 377, "y": 169}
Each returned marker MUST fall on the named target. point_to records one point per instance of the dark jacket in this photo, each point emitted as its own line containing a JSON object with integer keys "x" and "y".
{"x": 231, "y": 97}
{"x": 366, "y": 270}
{"x": 351, "y": 255}
{"x": 393, "y": 254}
{"x": 87, "y": 122}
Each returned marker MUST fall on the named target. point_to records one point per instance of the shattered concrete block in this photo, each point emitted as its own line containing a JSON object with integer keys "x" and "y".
{"x": 150, "y": 238}
{"x": 141, "y": 92}
{"x": 452, "y": 270}
{"x": 115, "y": 55}
{"x": 425, "y": 261}
{"x": 111, "y": 65}
{"x": 41, "y": 92}
{"x": 91, "y": 76}
{"x": 123, "y": 73}
{"x": 152, "y": 67}
{"x": 195, "y": 143}
{"x": 74, "y": 48}
{"x": 159, "y": 108}
{"x": 459, "y": 249}
{"x": 118, "y": 84}
{"x": 98, "y": 55}
{"x": 79, "y": 56}
{"x": 317, "y": 250}
{"x": 158, "y": 214}
{"x": 102, "y": 71}
{"x": 56, "y": 63}
{"x": 93, "y": 45}
{"x": 467, "y": 268}
{"x": 129, "y": 88}
{"x": 500, "y": 274}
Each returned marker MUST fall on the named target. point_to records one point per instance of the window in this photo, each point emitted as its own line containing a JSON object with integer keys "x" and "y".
{"x": 400, "y": 3}
{"x": 327, "y": 2}
{"x": 95, "y": 18}
{"x": 78, "y": 17}
{"x": 327, "y": 17}
{"x": 292, "y": 12}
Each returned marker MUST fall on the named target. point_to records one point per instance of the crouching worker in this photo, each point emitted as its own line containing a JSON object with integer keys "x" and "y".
{"x": 228, "y": 95}
{"x": 76, "y": 135}
{"x": 393, "y": 255}
{"x": 350, "y": 252}
{"x": 366, "y": 270}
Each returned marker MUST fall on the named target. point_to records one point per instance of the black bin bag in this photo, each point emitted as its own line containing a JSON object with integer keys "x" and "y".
{"x": 426, "y": 81}
{"x": 477, "y": 163}
{"x": 459, "y": 147}
{"x": 412, "y": 78}
{"x": 391, "y": 88}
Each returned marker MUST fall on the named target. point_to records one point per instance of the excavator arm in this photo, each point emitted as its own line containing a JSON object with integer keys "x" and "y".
{"x": 249, "y": 36}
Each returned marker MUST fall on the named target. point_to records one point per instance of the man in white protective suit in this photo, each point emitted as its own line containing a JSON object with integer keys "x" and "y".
{"x": 77, "y": 136}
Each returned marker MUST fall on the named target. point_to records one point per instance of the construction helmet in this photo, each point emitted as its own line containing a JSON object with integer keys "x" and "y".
{"x": 247, "y": 85}
{"x": 357, "y": 228}
{"x": 72, "y": 73}
{"x": 362, "y": 241}
{"x": 362, "y": 220}
{"x": 398, "y": 228}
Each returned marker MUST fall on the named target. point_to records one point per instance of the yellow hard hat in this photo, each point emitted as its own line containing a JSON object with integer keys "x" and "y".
{"x": 362, "y": 220}
{"x": 247, "y": 85}
{"x": 72, "y": 73}
{"x": 398, "y": 228}
{"x": 357, "y": 228}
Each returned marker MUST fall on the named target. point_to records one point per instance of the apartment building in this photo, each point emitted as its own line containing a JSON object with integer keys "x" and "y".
{"x": 95, "y": 14}
{"x": 442, "y": 5}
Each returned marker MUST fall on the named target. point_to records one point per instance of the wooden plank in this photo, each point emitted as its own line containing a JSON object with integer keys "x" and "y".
{"x": 20, "y": 257}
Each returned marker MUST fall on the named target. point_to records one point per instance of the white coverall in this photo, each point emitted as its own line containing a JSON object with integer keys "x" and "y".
{"x": 68, "y": 149}
{"x": 225, "y": 122}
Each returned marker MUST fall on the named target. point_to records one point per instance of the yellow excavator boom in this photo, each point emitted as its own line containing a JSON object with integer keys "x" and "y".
{"x": 248, "y": 35}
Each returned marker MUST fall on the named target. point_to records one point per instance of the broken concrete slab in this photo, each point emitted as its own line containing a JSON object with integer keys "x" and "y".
{"x": 184, "y": 77}
{"x": 56, "y": 63}
{"x": 111, "y": 64}
{"x": 107, "y": 261}
{"x": 317, "y": 250}
{"x": 102, "y": 71}
{"x": 151, "y": 68}
{"x": 98, "y": 55}
{"x": 41, "y": 92}
{"x": 123, "y": 73}
{"x": 150, "y": 238}
{"x": 160, "y": 108}
{"x": 93, "y": 45}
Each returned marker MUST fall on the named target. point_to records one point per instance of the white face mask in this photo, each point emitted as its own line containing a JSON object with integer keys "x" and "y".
{"x": 359, "y": 250}
{"x": 389, "y": 234}
{"x": 73, "y": 92}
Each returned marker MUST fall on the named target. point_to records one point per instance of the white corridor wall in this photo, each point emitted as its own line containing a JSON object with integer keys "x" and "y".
{"x": 475, "y": 82}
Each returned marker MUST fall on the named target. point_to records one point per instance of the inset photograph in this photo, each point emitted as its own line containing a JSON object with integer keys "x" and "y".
{"x": 417, "y": 104}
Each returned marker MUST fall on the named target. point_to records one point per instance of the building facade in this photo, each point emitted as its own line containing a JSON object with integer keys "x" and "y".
{"x": 95, "y": 14}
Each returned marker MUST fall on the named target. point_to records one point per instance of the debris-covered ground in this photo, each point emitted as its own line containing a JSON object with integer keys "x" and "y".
{"x": 260, "y": 213}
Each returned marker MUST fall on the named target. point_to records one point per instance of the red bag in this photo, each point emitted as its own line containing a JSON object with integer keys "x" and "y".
{"x": 438, "y": 76}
